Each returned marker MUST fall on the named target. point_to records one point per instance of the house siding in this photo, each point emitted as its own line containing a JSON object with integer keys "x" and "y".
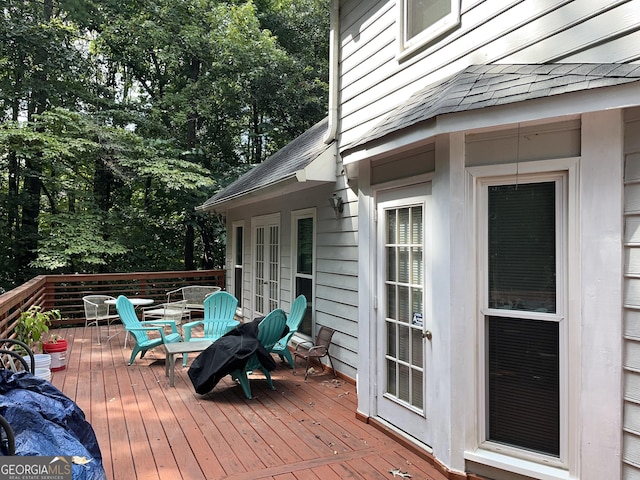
{"x": 336, "y": 280}
{"x": 631, "y": 358}
{"x": 374, "y": 79}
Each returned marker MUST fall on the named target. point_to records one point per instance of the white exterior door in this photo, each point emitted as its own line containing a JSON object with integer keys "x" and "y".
{"x": 266, "y": 264}
{"x": 404, "y": 310}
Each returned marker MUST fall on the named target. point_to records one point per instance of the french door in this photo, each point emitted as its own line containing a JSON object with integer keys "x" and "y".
{"x": 404, "y": 310}
{"x": 266, "y": 264}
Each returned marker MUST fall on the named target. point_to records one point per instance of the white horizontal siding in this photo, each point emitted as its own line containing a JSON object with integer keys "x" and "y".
{"x": 335, "y": 302}
{"x": 631, "y": 359}
{"x": 632, "y": 417}
{"x": 373, "y": 80}
{"x": 576, "y": 27}
{"x": 630, "y": 473}
{"x": 632, "y": 387}
{"x": 631, "y": 452}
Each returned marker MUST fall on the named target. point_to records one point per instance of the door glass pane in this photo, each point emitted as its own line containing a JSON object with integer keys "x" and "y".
{"x": 404, "y": 311}
{"x": 391, "y": 340}
{"x": 417, "y": 393}
{"x": 404, "y": 304}
{"x": 392, "y": 304}
{"x": 416, "y": 302}
{"x": 522, "y": 247}
{"x": 391, "y": 226}
{"x": 391, "y": 377}
{"x": 404, "y": 226}
{"x": 403, "y": 343}
{"x": 274, "y": 267}
{"x": 416, "y": 347}
{"x": 416, "y": 226}
{"x": 417, "y": 265}
{"x": 259, "y": 268}
{"x": 523, "y": 383}
{"x": 403, "y": 383}
{"x": 403, "y": 264}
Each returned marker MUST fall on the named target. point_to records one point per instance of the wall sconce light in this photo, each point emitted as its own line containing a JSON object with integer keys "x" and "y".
{"x": 336, "y": 203}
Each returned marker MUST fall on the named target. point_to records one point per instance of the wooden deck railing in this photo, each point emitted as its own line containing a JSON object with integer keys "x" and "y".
{"x": 65, "y": 292}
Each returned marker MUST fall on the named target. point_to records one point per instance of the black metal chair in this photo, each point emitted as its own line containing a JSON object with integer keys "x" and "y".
{"x": 14, "y": 359}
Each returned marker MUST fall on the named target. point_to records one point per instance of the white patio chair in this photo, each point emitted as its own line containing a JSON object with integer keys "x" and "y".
{"x": 194, "y": 296}
{"x": 97, "y": 311}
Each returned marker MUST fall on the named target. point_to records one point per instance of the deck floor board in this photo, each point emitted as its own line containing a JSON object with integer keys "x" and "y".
{"x": 149, "y": 430}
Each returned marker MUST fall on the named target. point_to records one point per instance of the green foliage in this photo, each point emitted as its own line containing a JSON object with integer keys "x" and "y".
{"x": 120, "y": 117}
{"x": 34, "y": 323}
{"x": 75, "y": 242}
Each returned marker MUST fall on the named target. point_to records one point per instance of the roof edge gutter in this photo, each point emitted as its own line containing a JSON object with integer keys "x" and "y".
{"x": 334, "y": 50}
{"x": 252, "y": 193}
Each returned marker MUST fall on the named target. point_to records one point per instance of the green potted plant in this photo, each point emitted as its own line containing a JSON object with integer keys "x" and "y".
{"x": 34, "y": 323}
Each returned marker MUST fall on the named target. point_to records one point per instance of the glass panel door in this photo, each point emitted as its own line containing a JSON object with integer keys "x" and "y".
{"x": 266, "y": 265}
{"x": 404, "y": 310}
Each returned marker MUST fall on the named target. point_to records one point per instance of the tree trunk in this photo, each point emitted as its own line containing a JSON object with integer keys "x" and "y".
{"x": 189, "y": 241}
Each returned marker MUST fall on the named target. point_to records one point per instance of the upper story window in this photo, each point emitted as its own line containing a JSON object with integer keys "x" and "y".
{"x": 424, "y": 20}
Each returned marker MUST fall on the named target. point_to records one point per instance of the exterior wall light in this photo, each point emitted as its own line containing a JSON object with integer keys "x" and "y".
{"x": 337, "y": 204}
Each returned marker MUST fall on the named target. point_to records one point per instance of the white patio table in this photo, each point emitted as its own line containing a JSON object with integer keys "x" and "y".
{"x": 137, "y": 302}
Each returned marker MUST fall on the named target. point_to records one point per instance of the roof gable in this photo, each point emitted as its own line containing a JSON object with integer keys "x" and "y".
{"x": 289, "y": 163}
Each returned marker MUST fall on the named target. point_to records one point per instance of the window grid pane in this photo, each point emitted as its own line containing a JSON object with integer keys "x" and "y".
{"x": 404, "y": 290}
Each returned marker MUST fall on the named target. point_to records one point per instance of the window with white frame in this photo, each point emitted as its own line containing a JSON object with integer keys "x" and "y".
{"x": 424, "y": 20}
{"x": 238, "y": 258}
{"x": 304, "y": 263}
{"x": 523, "y": 315}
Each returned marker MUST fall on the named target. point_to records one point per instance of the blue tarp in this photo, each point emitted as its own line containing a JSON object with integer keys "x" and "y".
{"x": 48, "y": 423}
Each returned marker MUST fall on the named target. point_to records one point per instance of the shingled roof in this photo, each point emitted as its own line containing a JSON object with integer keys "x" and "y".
{"x": 480, "y": 86}
{"x": 290, "y": 163}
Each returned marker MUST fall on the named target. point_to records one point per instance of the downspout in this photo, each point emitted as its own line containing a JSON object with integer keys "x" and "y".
{"x": 334, "y": 50}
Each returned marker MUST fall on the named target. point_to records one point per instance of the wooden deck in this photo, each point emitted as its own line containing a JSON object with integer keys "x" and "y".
{"x": 149, "y": 430}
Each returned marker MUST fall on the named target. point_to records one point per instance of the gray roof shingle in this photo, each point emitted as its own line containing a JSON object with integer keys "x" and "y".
{"x": 278, "y": 167}
{"x": 479, "y": 86}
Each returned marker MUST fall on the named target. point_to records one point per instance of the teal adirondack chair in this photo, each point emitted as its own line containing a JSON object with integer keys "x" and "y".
{"x": 298, "y": 309}
{"x": 269, "y": 332}
{"x": 219, "y": 312}
{"x": 139, "y": 329}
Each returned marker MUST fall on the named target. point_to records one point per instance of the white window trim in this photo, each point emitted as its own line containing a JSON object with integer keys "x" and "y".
{"x": 295, "y": 216}
{"x": 409, "y": 46}
{"x": 234, "y": 226}
{"x": 510, "y": 458}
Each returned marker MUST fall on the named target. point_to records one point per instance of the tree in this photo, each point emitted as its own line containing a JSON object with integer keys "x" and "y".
{"x": 120, "y": 117}
{"x": 214, "y": 80}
